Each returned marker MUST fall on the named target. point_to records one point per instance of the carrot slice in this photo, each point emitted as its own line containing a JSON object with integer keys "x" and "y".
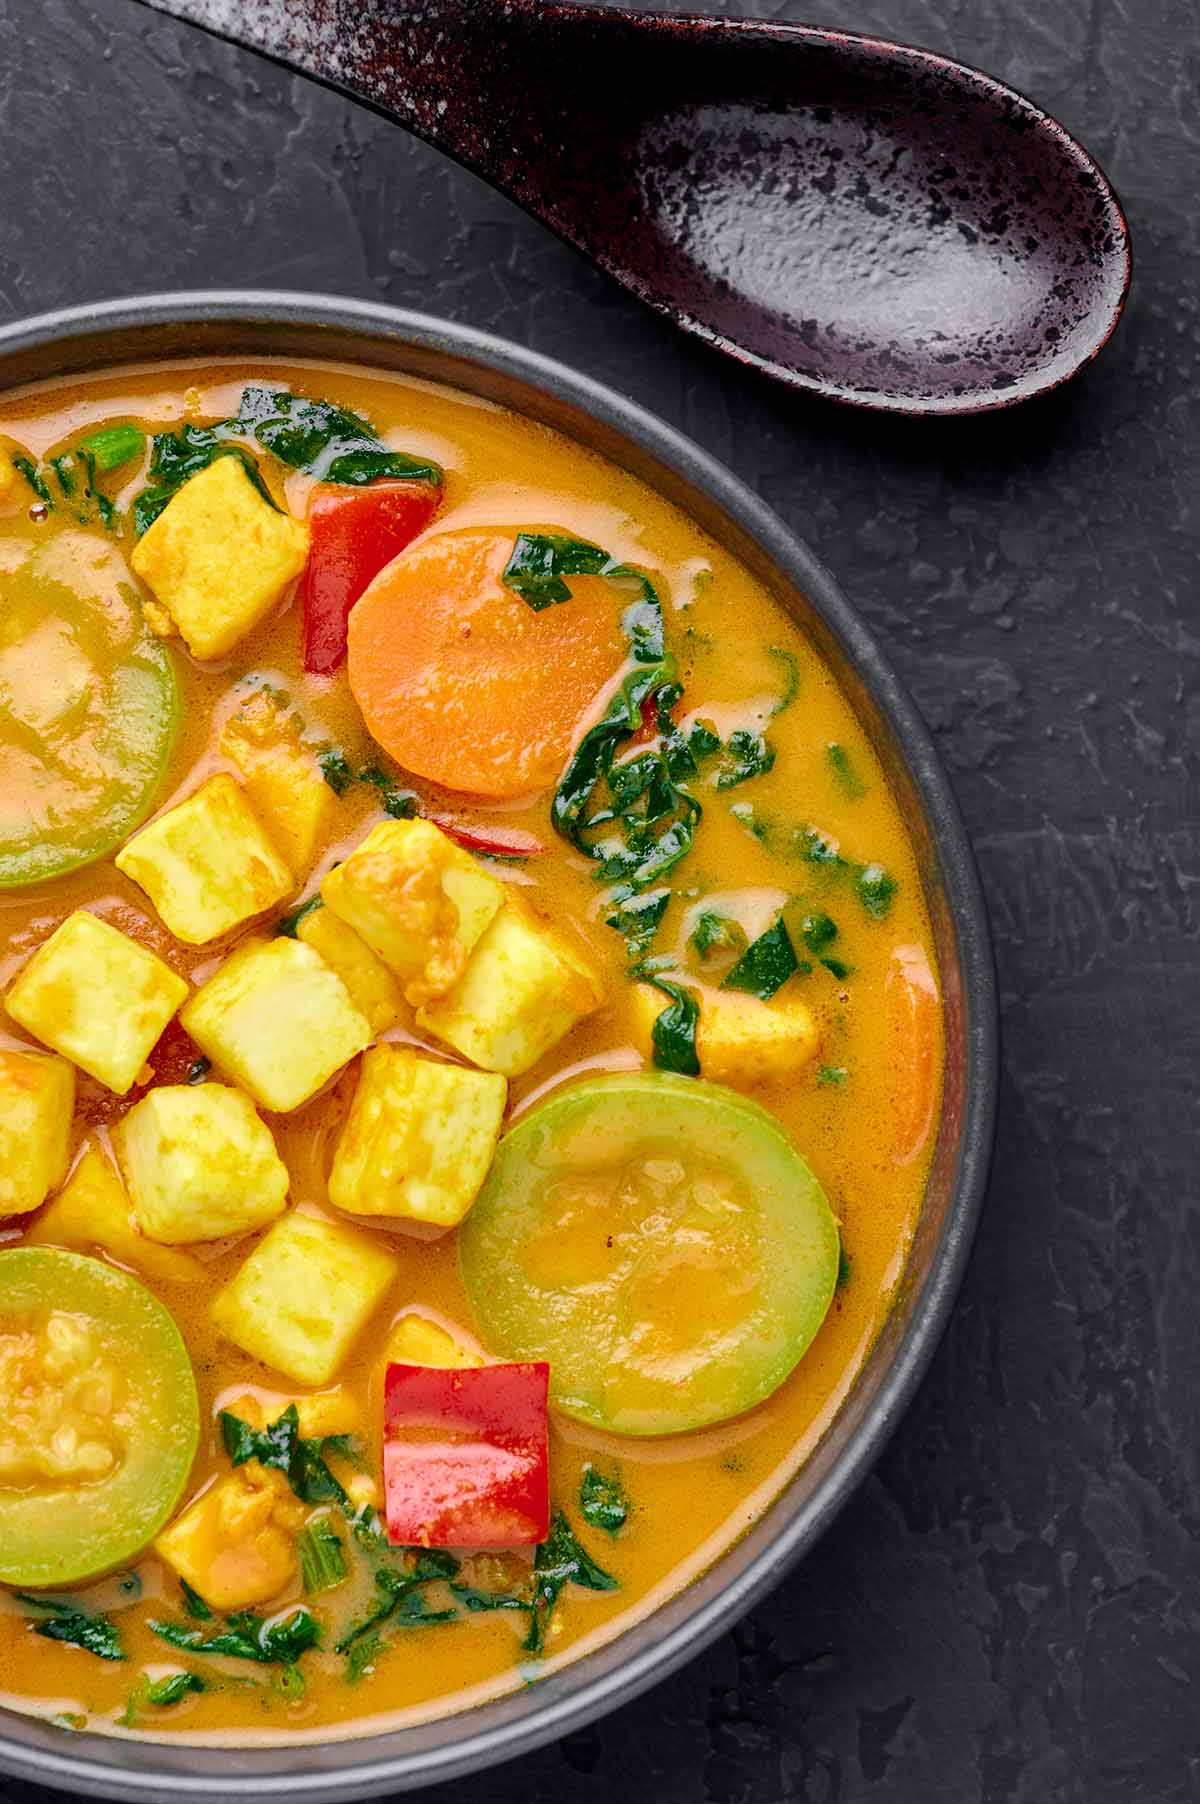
{"x": 914, "y": 1011}
{"x": 461, "y": 681}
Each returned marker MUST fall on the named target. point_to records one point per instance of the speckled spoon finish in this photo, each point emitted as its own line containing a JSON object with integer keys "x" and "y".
{"x": 860, "y": 218}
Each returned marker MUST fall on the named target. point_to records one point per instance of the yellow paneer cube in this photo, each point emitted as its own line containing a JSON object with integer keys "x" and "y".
{"x": 740, "y": 1040}
{"x": 97, "y": 997}
{"x": 524, "y": 987}
{"x": 37, "y": 1101}
{"x": 277, "y": 1020}
{"x": 418, "y": 1140}
{"x": 416, "y": 1341}
{"x": 319, "y": 1414}
{"x": 236, "y": 1545}
{"x": 420, "y": 902}
{"x": 92, "y": 1210}
{"x": 199, "y": 1164}
{"x": 207, "y": 865}
{"x": 219, "y": 557}
{"x": 373, "y": 989}
{"x": 304, "y": 1295}
{"x": 282, "y": 777}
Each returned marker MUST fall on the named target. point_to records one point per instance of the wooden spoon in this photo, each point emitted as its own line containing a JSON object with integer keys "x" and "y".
{"x": 852, "y": 216}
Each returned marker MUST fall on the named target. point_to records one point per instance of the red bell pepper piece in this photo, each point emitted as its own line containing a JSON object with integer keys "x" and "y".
{"x": 501, "y": 842}
{"x": 355, "y": 532}
{"x": 465, "y": 1457}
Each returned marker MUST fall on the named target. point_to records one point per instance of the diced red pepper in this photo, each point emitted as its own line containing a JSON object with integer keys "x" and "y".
{"x": 465, "y": 1457}
{"x": 500, "y": 842}
{"x": 355, "y": 532}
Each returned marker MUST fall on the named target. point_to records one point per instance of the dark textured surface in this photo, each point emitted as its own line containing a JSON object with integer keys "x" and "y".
{"x": 1010, "y": 1610}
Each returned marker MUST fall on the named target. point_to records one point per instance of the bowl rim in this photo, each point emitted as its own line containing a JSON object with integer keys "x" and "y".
{"x": 612, "y": 1674}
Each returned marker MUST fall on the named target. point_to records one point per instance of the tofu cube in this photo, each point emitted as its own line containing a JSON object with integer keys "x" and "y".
{"x": 97, "y": 997}
{"x": 37, "y": 1102}
{"x": 219, "y": 557}
{"x": 277, "y": 1020}
{"x": 373, "y": 989}
{"x": 282, "y": 777}
{"x": 92, "y": 1210}
{"x": 320, "y": 1413}
{"x": 741, "y": 1040}
{"x": 199, "y": 1164}
{"x": 304, "y": 1295}
{"x": 420, "y": 902}
{"x": 418, "y": 1140}
{"x": 206, "y": 864}
{"x": 416, "y": 1341}
{"x": 236, "y": 1544}
{"x": 524, "y": 987}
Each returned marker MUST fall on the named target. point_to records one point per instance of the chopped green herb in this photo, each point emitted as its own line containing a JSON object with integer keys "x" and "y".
{"x": 174, "y": 1689}
{"x": 602, "y": 1501}
{"x": 766, "y": 964}
{"x": 113, "y": 446}
{"x": 791, "y": 678}
{"x": 361, "y": 1658}
{"x": 286, "y": 928}
{"x": 714, "y": 934}
{"x": 558, "y": 1562}
{"x": 844, "y": 770}
{"x": 639, "y": 918}
{"x": 322, "y": 1561}
{"x": 838, "y": 968}
{"x": 336, "y": 771}
{"x": 281, "y": 1447}
{"x": 248, "y": 1637}
{"x": 875, "y": 889}
{"x": 398, "y": 1600}
{"x": 746, "y": 754}
{"x": 29, "y": 470}
{"x": 194, "y": 1604}
{"x": 289, "y": 1682}
{"x": 476, "y": 1602}
{"x": 816, "y": 847}
{"x": 198, "y": 1070}
{"x": 844, "y": 1268}
{"x": 819, "y": 934}
{"x": 703, "y": 741}
{"x": 402, "y": 804}
{"x": 745, "y": 816}
{"x": 832, "y": 1076}
{"x": 66, "y": 1622}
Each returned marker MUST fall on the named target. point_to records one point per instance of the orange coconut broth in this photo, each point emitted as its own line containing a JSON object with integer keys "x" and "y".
{"x": 862, "y": 1112}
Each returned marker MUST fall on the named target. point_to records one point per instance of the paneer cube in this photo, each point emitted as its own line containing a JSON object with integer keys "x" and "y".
{"x": 236, "y": 1544}
{"x": 373, "y": 989}
{"x": 282, "y": 777}
{"x": 740, "y": 1040}
{"x": 319, "y": 1414}
{"x": 304, "y": 1295}
{"x": 277, "y": 1020}
{"x": 92, "y": 1210}
{"x": 418, "y": 1140}
{"x": 37, "y": 1101}
{"x": 524, "y": 987}
{"x": 207, "y": 865}
{"x": 199, "y": 1164}
{"x": 420, "y": 902}
{"x": 97, "y": 997}
{"x": 219, "y": 557}
{"x": 417, "y": 1341}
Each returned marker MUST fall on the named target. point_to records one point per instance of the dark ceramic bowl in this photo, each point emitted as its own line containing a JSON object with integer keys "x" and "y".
{"x": 261, "y": 325}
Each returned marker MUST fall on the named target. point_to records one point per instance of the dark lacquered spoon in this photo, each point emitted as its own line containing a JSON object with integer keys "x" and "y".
{"x": 852, "y": 216}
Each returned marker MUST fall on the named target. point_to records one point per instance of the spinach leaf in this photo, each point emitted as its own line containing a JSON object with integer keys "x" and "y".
{"x": 402, "y": 804}
{"x": 845, "y": 771}
{"x": 248, "y": 1637}
{"x": 832, "y": 1076}
{"x": 281, "y": 1447}
{"x": 639, "y": 918}
{"x": 766, "y": 964}
{"x": 66, "y": 1622}
{"x": 33, "y": 476}
{"x": 875, "y": 890}
{"x": 703, "y": 740}
{"x": 194, "y": 1604}
{"x": 173, "y": 1689}
{"x": 745, "y": 754}
{"x": 844, "y": 1268}
{"x": 286, "y": 928}
{"x": 327, "y": 441}
{"x": 748, "y": 817}
{"x": 819, "y": 933}
{"x": 602, "y": 1501}
{"x": 791, "y": 678}
{"x": 815, "y": 847}
{"x": 397, "y": 1599}
{"x": 558, "y": 1562}
{"x": 714, "y": 933}
{"x": 475, "y": 1601}
{"x": 179, "y": 455}
{"x": 361, "y": 1658}
{"x": 673, "y": 1034}
{"x": 335, "y": 769}
{"x": 322, "y": 1561}
{"x": 541, "y": 562}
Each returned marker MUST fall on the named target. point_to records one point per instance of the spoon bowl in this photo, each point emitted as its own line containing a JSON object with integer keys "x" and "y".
{"x": 864, "y": 219}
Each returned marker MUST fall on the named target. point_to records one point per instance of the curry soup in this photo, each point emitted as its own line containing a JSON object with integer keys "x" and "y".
{"x": 471, "y": 1057}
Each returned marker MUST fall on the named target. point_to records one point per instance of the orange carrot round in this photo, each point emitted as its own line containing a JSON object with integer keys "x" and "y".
{"x": 461, "y": 682}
